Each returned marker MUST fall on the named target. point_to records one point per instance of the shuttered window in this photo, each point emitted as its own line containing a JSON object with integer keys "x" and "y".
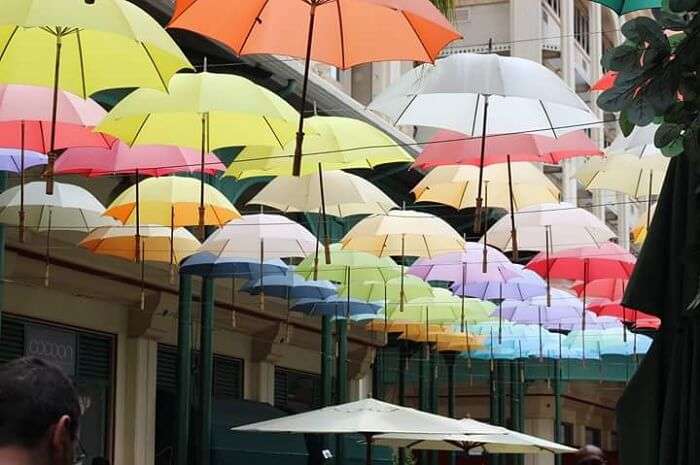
{"x": 297, "y": 391}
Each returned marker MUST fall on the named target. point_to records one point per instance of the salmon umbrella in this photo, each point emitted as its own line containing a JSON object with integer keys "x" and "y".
{"x": 340, "y": 34}
{"x": 149, "y": 160}
{"x": 585, "y": 263}
{"x": 26, "y": 109}
{"x": 615, "y": 309}
{"x": 607, "y": 81}
{"x": 607, "y": 288}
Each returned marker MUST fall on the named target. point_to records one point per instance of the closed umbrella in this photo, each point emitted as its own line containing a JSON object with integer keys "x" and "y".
{"x": 342, "y": 35}
{"x": 83, "y": 47}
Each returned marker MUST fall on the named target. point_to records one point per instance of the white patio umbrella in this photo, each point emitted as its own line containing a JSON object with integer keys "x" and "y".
{"x": 368, "y": 417}
{"x": 550, "y": 227}
{"x": 483, "y": 95}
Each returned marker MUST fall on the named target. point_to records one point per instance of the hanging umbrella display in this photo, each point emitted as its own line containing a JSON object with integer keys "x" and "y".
{"x": 221, "y": 266}
{"x": 28, "y": 108}
{"x": 70, "y": 208}
{"x": 622, "y": 7}
{"x": 146, "y": 160}
{"x": 482, "y": 95}
{"x": 341, "y": 35}
{"x": 290, "y": 286}
{"x": 337, "y": 307}
{"x": 156, "y": 244}
{"x": 634, "y": 176}
{"x": 336, "y": 143}
{"x": 605, "y": 288}
{"x": 17, "y": 160}
{"x": 552, "y": 227}
{"x": 641, "y": 229}
{"x": 453, "y": 148}
{"x": 585, "y": 263}
{"x": 607, "y": 81}
{"x": 364, "y": 267}
{"x": 83, "y": 47}
{"x": 615, "y": 309}
{"x": 202, "y": 111}
{"x": 523, "y": 287}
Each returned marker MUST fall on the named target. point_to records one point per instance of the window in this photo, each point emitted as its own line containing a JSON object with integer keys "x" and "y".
{"x": 297, "y": 391}
{"x": 593, "y": 436}
{"x": 582, "y": 30}
{"x": 566, "y": 433}
{"x": 554, "y": 5}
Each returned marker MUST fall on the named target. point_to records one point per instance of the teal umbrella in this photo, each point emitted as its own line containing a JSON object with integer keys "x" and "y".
{"x": 622, "y": 7}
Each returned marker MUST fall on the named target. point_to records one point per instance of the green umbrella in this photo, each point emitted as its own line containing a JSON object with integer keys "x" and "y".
{"x": 363, "y": 266}
{"x": 440, "y": 308}
{"x": 622, "y": 7}
{"x": 388, "y": 292}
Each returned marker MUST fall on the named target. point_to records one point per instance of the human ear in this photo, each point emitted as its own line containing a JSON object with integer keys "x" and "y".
{"x": 61, "y": 442}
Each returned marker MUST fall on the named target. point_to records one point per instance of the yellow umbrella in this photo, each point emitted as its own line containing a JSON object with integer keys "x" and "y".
{"x": 639, "y": 232}
{"x": 149, "y": 243}
{"x": 84, "y": 48}
{"x": 331, "y": 142}
{"x": 443, "y": 337}
{"x": 203, "y": 111}
{"x": 638, "y": 177}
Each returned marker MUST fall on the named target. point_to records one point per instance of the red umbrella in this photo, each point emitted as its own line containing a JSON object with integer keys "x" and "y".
{"x": 607, "y": 81}
{"x": 453, "y": 148}
{"x": 607, "y": 288}
{"x": 616, "y": 310}
{"x": 585, "y": 263}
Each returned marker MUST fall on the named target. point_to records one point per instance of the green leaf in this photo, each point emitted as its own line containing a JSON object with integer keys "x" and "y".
{"x": 680, "y": 6}
{"x": 624, "y": 58}
{"x": 640, "y": 111}
{"x": 643, "y": 30}
{"x": 669, "y": 20}
{"x": 614, "y": 99}
{"x": 673, "y": 149}
{"x": 667, "y": 134}
{"x": 691, "y": 146}
{"x": 625, "y": 125}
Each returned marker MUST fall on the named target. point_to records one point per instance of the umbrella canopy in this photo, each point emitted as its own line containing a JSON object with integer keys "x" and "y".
{"x": 367, "y": 416}
{"x": 69, "y": 208}
{"x": 262, "y": 237}
{"x": 217, "y": 266}
{"x": 403, "y": 233}
{"x": 36, "y": 136}
{"x": 12, "y": 160}
{"x": 533, "y": 314}
{"x": 224, "y": 109}
{"x": 340, "y": 32}
{"x": 105, "y": 45}
{"x": 566, "y": 225}
{"x": 290, "y": 286}
{"x": 609, "y": 341}
{"x": 638, "y": 177}
{"x": 364, "y": 267}
{"x": 453, "y": 148}
{"x": 641, "y": 229}
{"x": 395, "y": 290}
{"x": 337, "y": 307}
{"x": 615, "y": 309}
{"x": 524, "y": 97}
{"x": 457, "y": 186}
{"x": 171, "y": 201}
{"x": 344, "y": 195}
{"x": 335, "y": 142}
{"x": 529, "y": 284}
{"x": 466, "y": 266}
{"x": 622, "y": 7}
{"x": 607, "y": 81}
{"x": 34, "y": 103}
{"x": 440, "y": 308}
{"x": 639, "y": 142}
{"x": 585, "y": 263}
{"x": 605, "y": 288}
{"x": 147, "y": 160}
{"x": 156, "y": 243}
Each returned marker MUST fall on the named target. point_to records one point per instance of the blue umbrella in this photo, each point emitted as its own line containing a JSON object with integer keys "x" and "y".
{"x": 209, "y": 265}
{"x": 337, "y": 307}
{"x": 291, "y": 286}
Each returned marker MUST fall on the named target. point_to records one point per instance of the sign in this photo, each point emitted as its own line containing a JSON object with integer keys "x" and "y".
{"x": 52, "y": 345}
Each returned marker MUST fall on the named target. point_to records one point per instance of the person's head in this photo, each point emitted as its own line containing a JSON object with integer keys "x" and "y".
{"x": 590, "y": 455}
{"x": 39, "y": 411}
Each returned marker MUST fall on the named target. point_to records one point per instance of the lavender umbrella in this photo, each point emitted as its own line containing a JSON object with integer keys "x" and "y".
{"x": 10, "y": 159}
{"x": 524, "y": 287}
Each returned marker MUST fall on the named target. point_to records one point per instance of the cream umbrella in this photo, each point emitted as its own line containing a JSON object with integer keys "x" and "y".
{"x": 635, "y": 176}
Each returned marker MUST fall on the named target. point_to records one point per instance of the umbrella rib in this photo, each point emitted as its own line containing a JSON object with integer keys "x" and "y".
{"x": 430, "y": 58}
{"x": 549, "y": 120}
{"x": 408, "y": 105}
{"x": 160, "y": 76}
{"x": 9, "y": 40}
{"x": 138, "y": 131}
{"x": 82, "y": 64}
{"x": 273, "y": 132}
{"x": 250, "y": 31}
{"x": 342, "y": 34}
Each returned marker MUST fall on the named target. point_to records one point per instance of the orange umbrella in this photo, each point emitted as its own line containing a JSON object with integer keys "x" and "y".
{"x": 340, "y": 34}
{"x": 607, "y": 81}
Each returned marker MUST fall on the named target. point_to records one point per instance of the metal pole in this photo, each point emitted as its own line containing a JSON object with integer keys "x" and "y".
{"x": 3, "y": 185}
{"x": 557, "y": 406}
{"x": 450, "y": 361}
{"x": 477, "y": 213}
{"x": 403, "y": 367}
{"x": 184, "y": 370}
{"x": 296, "y": 169}
{"x": 54, "y": 112}
{"x": 206, "y": 365}
{"x": 513, "y": 231}
{"x": 378, "y": 374}
{"x": 342, "y": 380}
{"x": 202, "y": 208}
{"x": 326, "y": 239}
{"x": 326, "y": 361}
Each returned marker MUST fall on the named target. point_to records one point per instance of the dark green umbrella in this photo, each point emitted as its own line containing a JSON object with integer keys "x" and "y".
{"x": 622, "y": 7}
{"x": 659, "y": 412}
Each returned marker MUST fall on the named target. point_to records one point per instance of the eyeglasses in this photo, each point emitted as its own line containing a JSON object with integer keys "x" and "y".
{"x": 79, "y": 454}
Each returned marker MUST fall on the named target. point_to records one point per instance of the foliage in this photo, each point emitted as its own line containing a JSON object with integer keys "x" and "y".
{"x": 658, "y": 80}
{"x": 446, "y": 7}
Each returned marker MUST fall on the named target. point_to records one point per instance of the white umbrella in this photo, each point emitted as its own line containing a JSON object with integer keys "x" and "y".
{"x": 639, "y": 142}
{"x": 550, "y": 227}
{"x": 368, "y": 417}
{"x": 485, "y": 94}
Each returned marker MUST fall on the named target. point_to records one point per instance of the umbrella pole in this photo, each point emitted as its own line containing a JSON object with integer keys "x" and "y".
{"x": 583, "y": 313}
{"x": 143, "y": 279}
{"x": 202, "y": 209}
{"x": 172, "y": 244}
{"x": 500, "y": 313}
{"x": 54, "y": 111}
{"x": 513, "y": 233}
{"x": 137, "y": 241}
{"x": 403, "y": 256}
{"x": 21, "y": 185}
{"x": 484, "y": 261}
{"x": 368, "y": 440}
{"x": 651, "y": 177}
{"x": 47, "y": 271}
{"x": 326, "y": 239}
{"x": 546, "y": 252}
{"x": 318, "y": 243}
{"x": 464, "y": 278}
{"x": 477, "y": 213}
{"x": 262, "y": 274}
{"x": 296, "y": 169}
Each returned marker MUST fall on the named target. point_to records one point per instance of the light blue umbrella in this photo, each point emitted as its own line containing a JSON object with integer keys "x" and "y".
{"x": 291, "y": 286}
{"x": 11, "y": 160}
{"x": 337, "y": 307}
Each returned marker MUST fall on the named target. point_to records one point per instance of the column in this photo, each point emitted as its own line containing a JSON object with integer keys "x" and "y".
{"x": 342, "y": 381}
{"x": 3, "y": 186}
{"x": 568, "y": 75}
{"x": 596, "y": 27}
{"x": 206, "y": 366}
{"x": 184, "y": 370}
{"x": 378, "y": 375}
{"x": 623, "y": 227}
{"x": 525, "y": 25}
{"x": 140, "y": 400}
{"x": 326, "y": 361}
{"x": 556, "y": 385}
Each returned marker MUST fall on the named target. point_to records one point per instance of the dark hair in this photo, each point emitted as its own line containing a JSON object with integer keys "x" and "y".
{"x": 34, "y": 395}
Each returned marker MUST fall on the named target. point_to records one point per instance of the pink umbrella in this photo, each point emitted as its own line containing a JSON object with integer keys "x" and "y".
{"x": 148, "y": 160}
{"x": 608, "y": 288}
{"x": 617, "y": 310}
{"x": 453, "y": 148}
{"x": 585, "y": 263}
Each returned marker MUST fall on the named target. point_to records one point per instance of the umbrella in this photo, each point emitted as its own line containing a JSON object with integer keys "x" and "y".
{"x": 585, "y": 263}
{"x": 221, "y": 266}
{"x": 147, "y": 160}
{"x": 368, "y": 417}
{"x": 70, "y": 208}
{"x": 640, "y": 231}
{"x": 615, "y": 309}
{"x": 606, "y": 288}
{"x": 453, "y": 148}
{"x": 336, "y": 143}
{"x": 622, "y": 7}
{"x": 342, "y": 35}
{"x": 156, "y": 243}
{"x": 22, "y": 106}
{"x": 337, "y": 307}
{"x": 395, "y": 290}
{"x": 523, "y": 287}
{"x": 610, "y": 341}
{"x": 364, "y": 267}
{"x": 440, "y": 308}
{"x": 13, "y": 160}
{"x": 632, "y": 175}
{"x": 290, "y": 286}
{"x": 83, "y": 47}
{"x": 202, "y": 111}
{"x": 607, "y": 81}
{"x": 550, "y": 227}
{"x": 461, "y": 91}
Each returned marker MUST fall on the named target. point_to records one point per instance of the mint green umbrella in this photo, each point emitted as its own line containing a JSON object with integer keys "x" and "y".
{"x": 622, "y": 7}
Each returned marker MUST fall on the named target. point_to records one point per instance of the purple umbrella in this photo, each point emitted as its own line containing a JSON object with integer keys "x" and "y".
{"x": 465, "y": 267}
{"x": 524, "y": 287}
{"x": 10, "y": 159}
{"x": 593, "y": 321}
{"x": 533, "y": 314}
